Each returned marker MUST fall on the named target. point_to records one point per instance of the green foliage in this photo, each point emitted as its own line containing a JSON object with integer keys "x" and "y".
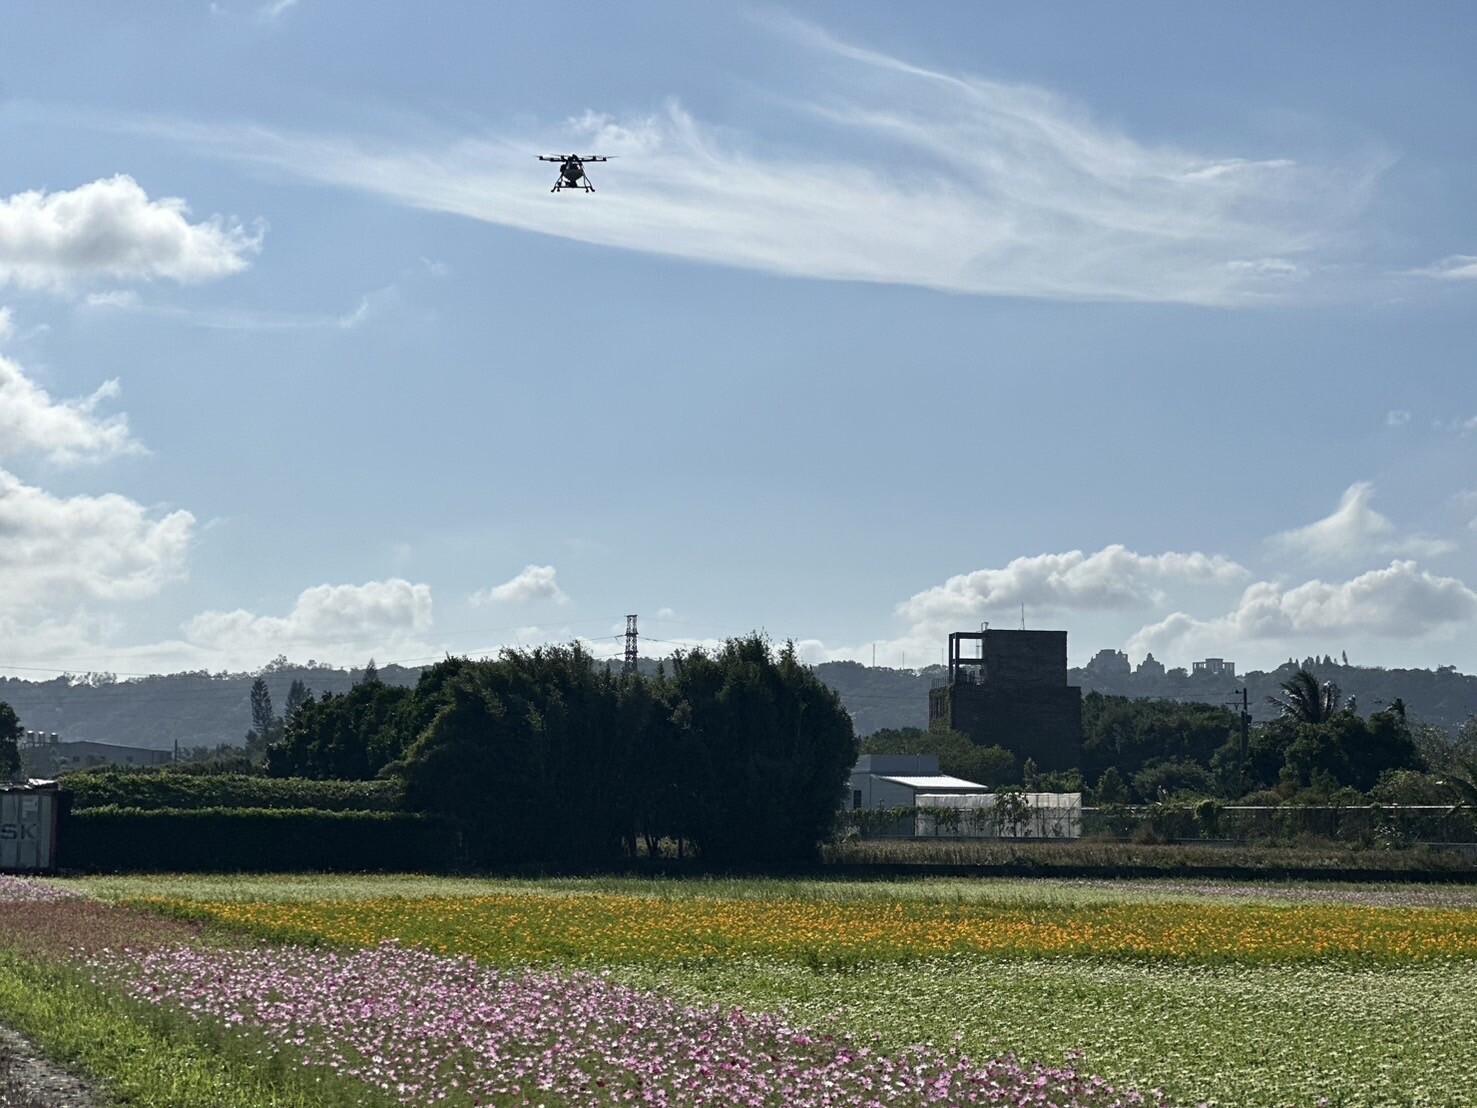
{"x": 1345, "y": 751}
{"x": 342, "y": 735}
{"x": 156, "y": 789}
{"x": 298, "y": 694}
{"x": 774, "y": 746}
{"x": 10, "y": 733}
{"x": 1111, "y": 788}
{"x": 958, "y": 754}
{"x": 204, "y": 840}
{"x": 1304, "y": 700}
{"x": 1130, "y": 734}
{"x": 1171, "y": 777}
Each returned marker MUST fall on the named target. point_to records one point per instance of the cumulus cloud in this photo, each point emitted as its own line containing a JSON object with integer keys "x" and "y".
{"x": 947, "y": 181}
{"x": 1401, "y": 601}
{"x": 64, "y": 431}
{"x": 1354, "y": 530}
{"x": 1113, "y": 578}
{"x": 110, "y": 230}
{"x": 1397, "y": 417}
{"x": 55, "y": 549}
{"x": 326, "y": 618}
{"x": 534, "y": 583}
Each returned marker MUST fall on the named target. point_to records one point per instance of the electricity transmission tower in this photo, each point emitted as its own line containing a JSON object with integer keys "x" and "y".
{"x": 630, "y": 666}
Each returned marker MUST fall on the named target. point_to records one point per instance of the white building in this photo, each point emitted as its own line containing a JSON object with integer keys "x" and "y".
{"x": 950, "y": 807}
{"x": 897, "y": 780}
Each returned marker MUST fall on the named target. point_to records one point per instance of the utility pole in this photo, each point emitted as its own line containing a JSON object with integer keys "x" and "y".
{"x": 1245, "y": 731}
{"x": 630, "y": 666}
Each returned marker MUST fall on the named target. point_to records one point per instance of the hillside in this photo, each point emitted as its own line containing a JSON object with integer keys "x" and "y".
{"x": 203, "y": 709}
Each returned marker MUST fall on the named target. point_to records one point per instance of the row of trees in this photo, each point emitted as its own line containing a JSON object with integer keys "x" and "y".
{"x": 1318, "y": 749}
{"x": 544, "y": 756}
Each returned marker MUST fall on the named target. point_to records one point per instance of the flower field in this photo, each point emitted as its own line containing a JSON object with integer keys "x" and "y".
{"x": 753, "y": 992}
{"x": 605, "y": 929}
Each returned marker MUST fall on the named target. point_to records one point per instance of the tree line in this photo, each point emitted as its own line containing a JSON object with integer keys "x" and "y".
{"x": 738, "y": 756}
{"x": 1318, "y": 749}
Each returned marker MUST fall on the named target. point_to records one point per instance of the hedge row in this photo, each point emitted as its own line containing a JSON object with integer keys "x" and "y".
{"x": 156, "y": 790}
{"x": 235, "y": 840}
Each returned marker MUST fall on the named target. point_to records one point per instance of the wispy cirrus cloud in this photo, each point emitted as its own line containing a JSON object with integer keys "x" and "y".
{"x": 1457, "y": 267}
{"x": 1000, "y": 189}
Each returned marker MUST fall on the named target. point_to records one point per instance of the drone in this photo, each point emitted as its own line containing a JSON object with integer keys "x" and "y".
{"x": 572, "y": 170}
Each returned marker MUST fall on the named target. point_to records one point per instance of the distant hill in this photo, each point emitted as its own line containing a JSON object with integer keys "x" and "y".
{"x": 192, "y": 709}
{"x": 203, "y": 709}
{"x": 1442, "y": 697}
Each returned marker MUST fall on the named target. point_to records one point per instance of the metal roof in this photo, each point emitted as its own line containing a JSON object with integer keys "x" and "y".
{"x": 938, "y": 783}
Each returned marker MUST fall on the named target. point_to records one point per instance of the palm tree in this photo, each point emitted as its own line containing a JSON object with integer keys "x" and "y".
{"x": 1306, "y": 701}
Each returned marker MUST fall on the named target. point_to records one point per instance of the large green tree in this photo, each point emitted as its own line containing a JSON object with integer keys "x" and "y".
{"x": 1131, "y": 735}
{"x": 773, "y": 747}
{"x": 528, "y": 754}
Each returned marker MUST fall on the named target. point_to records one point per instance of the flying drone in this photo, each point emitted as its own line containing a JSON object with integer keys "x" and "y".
{"x": 572, "y": 170}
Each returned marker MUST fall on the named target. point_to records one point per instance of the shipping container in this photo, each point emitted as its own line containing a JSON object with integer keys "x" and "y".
{"x": 28, "y": 827}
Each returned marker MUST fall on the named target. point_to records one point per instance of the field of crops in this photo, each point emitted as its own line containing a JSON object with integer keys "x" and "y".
{"x": 771, "y": 992}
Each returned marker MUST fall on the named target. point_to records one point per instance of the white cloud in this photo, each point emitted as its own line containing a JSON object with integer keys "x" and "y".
{"x": 1354, "y": 530}
{"x": 1113, "y": 578}
{"x": 118, "y": 299}
{"x": 107, "y": 547}
{"x": 111, "y": 230}
{"x": 64, "y": 431}
{"x": 1397, "y": 417}
{"x": 1457, "y": 267}
{"x": 329, "y": 619}
{"x": 1401, "y": 601}
{"x": 949, "y": 181}
{"x": 534, "y": 583}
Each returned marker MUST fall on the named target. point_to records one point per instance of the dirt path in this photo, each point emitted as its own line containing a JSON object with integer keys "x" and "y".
{"x": 27, "y": 1080}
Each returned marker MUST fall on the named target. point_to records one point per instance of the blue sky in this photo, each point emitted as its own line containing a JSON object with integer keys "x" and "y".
{"x": 1155, "y": 320}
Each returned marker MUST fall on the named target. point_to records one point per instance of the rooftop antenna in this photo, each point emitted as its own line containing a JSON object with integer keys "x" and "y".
{"x": 1023, "y": 615}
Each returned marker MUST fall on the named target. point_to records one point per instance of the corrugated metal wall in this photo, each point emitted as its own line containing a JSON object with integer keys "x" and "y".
{"x": 27, "y": 830}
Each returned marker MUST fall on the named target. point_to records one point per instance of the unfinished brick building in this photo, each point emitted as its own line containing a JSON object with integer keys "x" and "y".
{"x": 1009, "y": 688}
